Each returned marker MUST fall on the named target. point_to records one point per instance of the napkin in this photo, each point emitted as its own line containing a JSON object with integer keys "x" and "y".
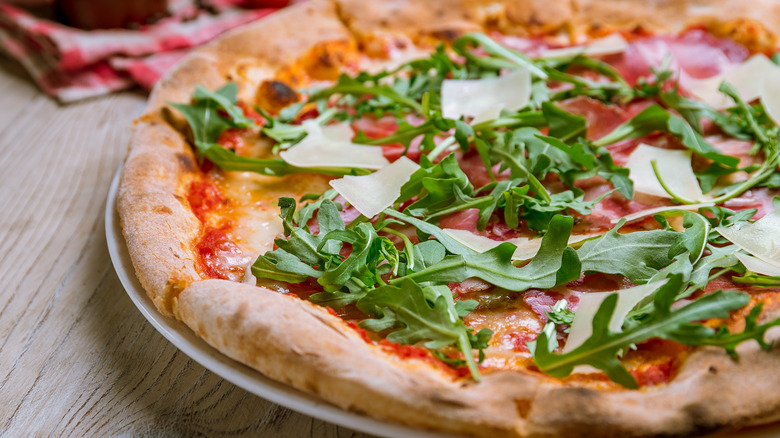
{"x": 72, "y": 64}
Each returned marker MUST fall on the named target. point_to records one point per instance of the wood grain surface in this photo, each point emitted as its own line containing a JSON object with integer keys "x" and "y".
{"x": 76, "y": 357}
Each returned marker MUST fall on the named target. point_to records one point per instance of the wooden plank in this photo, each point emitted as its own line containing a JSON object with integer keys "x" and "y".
{"x": 76, "y": 357}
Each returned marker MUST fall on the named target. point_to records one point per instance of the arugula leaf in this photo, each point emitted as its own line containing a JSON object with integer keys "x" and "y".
{"x": 287, "y": 134}
{"x": 510, "y": 152}
{"x": 560, "y": 314}
{"x": 693, "y": 111}
{"x": 225, "y": 99}
{"x": 513, "y": 59}
{"x": 356, "y": 86}
{"x": 228, "y": 160}
{"x": 654, "y": 118}
{"x": 428, "y": 229}
{"x": 555, "y": 263}
{"x": 637, "y": 256}
{"x": 205, "y": 122}
{"x": 303, "y": 255}
{"x": 425, "y": 314}
{"x": 602, "y": 348}
{"x": 694, "y": 239}
{"x": 589, "y": 161}
{"x": 563, "y": 125}
{"x": 441, "y": 189}
{"x": 757, "y": 280}
{"x": 204, "y": 118}
{"x": 538, "y": 214}
{"x": 729, "y": 341}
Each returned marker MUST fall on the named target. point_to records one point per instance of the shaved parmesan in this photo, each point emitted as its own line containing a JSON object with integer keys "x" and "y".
{"x": 609, "y": 45}
{"x": 330, "y": 146}
{"x": 335, "y": 132}
{"x": 644, "y": 213}
{"x": 770, "y": 97}
{"x": 526, "y": 248}
{"x": 748, "y": 79}
{"x": 249, "y": 278}
{"x": 582, "y": 325}
{"x": 761, "y": 239}
{"x": 758, "y": 266}
{"x": 473, "y": 97}
{"x": 370, "y": 194}
{"x": 675, "y": 169}
{"x": 489, "y": 114}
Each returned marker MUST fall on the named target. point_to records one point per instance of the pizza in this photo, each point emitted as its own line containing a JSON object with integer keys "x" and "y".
{"x": 508, "y": 218}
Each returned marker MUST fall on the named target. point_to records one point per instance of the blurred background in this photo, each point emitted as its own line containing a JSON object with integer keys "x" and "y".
{"x": 78, "y": 49}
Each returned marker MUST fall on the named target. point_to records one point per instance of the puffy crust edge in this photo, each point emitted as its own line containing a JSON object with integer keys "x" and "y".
{"x": 299, "y": 343}
{"x": 753, "y": 23}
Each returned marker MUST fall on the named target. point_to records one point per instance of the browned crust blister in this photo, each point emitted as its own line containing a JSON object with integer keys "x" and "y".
{"x": 296, "y": 342}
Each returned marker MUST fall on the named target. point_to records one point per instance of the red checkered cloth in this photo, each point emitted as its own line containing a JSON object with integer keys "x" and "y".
{"x": 72, "y": 64}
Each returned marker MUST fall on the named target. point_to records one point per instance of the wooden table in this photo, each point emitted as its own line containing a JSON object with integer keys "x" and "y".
{"x": 76, "y": 357}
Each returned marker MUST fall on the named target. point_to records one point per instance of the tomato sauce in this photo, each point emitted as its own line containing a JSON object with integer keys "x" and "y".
{"x": 204, "y": 196}
{"x": 219, "y": 256}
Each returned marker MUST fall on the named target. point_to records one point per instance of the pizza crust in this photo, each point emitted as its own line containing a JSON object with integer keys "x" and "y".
{"x": 298, "y": 343}
{"x": 750, "y": 23}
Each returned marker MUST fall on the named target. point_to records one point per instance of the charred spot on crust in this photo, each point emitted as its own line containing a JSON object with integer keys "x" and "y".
{"x": 446, "y": 34}
{"x": 275, "y": 95}
{"x": 186, "y": 162}
{"x": 713, "y": 369}
{"x": 163, "y": 209}
{"x": 439, "y": 398}
{"x": 523, "y": 407}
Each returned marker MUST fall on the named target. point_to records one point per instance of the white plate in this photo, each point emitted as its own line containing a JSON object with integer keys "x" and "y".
{"x": 198, "y": 350}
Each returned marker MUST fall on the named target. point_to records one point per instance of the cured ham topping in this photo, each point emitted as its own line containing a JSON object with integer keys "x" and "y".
{"x": 219, "y": 257}
{"x": 602, "y": 118}
{"x": 542, "y": 302}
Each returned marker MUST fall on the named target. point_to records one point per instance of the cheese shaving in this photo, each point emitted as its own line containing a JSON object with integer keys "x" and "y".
{"x": 370, "y": 194}
{"x": 770, "y": 97}
{"x": 758, "y": 266}
{"x": 489, "y": 114}
{"x": 761, "y": 239}
{"x": 749, "y": 79}
{"x": 473, "y": 97}
{"x": 675, "y": 169}
{"x": 644, "y": 213}
{"x": 582, "y": 325}
{"x": 608, "y": 45}
{"x": 330, "y": 146}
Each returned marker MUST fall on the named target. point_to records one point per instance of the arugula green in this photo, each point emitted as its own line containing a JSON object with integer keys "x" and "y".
{"x": 679, "y": 325}
{"x": 402, "y": 286}
{"x": 423, "y": 314}
{"x": 655, "y": 118}
{"x": 637, "y": 256}
{"x": 207, "y": 123}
